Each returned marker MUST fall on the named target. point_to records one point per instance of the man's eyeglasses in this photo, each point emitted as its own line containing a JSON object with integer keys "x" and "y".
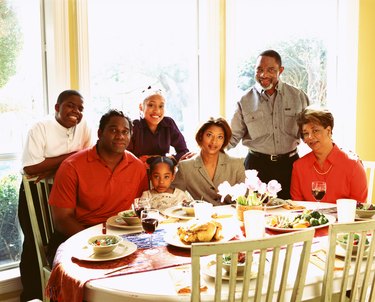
{"x": 270, "y": 70}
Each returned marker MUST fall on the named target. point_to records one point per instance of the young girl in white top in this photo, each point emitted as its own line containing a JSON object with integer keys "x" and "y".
{"x": 162, "y": 195}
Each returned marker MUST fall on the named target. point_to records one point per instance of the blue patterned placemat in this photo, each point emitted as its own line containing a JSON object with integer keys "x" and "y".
{"x": 142, "y": 240}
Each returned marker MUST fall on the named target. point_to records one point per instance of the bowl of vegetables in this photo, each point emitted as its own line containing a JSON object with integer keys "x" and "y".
{"x": 365, "y": 210}
{"x": 240, "y": 264}
{"x": 103, "y": 244}
{"x": 129, "y": 217}
{"x": 342, "y": 240}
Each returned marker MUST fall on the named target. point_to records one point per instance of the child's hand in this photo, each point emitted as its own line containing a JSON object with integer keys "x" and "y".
{"x": 188, "y": 155}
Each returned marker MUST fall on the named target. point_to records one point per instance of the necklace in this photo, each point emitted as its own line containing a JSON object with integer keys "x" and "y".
{"x": 322, "y": 173}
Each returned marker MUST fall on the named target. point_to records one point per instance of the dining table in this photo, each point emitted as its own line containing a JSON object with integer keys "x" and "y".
{"x": 134, "y": 275}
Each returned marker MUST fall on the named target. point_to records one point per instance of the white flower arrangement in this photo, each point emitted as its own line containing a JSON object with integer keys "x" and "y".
{"x": 252, "y": 192}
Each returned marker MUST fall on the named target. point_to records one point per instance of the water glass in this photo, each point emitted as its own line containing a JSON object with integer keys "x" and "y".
{"x": 346, "y": 209}
{"x": 255, "y": 224}
{"x": 203, "y": 210}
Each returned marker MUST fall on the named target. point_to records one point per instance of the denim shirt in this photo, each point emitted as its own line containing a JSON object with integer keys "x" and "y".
{"x": 265, "y": 126}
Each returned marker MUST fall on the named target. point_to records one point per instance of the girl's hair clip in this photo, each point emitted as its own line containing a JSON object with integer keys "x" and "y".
{"x": 152, "y": 90}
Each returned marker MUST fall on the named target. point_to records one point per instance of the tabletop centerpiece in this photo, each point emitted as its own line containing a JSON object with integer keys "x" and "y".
{"x": 250, "y": 194}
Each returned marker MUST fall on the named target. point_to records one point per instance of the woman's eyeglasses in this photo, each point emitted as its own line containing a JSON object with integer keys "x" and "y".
{"x": 315, "y": 133}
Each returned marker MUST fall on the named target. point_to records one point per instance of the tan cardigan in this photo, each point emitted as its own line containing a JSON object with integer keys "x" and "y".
{"x": 193, "y": 177}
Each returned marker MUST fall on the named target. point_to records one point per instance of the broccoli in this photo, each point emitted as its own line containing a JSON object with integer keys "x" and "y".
{"x": 315, "y": 214}
{"x": 314, "y": 222}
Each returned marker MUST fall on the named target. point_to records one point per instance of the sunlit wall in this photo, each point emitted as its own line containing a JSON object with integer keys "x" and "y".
{"x": 365, "y": 143}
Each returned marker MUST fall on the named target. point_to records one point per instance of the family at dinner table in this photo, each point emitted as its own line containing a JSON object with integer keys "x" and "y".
{"x": 131, "y": 158}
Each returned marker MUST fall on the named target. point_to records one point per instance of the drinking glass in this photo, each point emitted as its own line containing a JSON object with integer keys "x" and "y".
{"x": 150, "y": 221}
{"x": 140, "y": 204}
{"x": 318, "y": 189}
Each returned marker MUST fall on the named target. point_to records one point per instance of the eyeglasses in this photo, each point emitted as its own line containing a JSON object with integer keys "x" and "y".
{"x": 315, "y": 133}
{"x": 270, "y": 70}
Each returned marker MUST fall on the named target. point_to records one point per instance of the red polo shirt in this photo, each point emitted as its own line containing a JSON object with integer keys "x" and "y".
{"x": 346, "y": 177}
{"x": 85, "y": 183}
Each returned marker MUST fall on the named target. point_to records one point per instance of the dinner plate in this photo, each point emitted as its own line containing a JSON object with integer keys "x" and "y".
{"x": 172, "y": 238}
{"x": 117, "y": 222}
{"x": 210, "y": 270}
{"x": 362, "y": 219}
{"x": 125, "y": 248}
{"x": 177, "y": 212}
{"x": 273, "y": 207}
{"x": 341, "y": 252}
{"x": 331, "y": 219}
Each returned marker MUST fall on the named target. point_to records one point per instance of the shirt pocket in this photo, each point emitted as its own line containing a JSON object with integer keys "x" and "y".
{"x": 290, "y": 122}
{"x": 256, "y": 124}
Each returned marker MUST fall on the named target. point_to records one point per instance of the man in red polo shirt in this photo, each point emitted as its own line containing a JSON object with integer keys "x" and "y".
{"x": 95, "y": 184}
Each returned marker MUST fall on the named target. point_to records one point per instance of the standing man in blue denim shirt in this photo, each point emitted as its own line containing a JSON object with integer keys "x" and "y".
{"x": 265, "y": 120}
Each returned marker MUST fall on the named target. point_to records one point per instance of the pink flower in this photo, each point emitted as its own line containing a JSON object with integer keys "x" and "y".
{"x": 273, "y": 187}
{"x": 252, "y": 192}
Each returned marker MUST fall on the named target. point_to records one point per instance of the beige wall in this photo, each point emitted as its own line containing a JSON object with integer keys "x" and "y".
{"x": 365, "y": 143}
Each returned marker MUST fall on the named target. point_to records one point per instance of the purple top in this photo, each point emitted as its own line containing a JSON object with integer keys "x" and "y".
{"x": 144, "y": 142}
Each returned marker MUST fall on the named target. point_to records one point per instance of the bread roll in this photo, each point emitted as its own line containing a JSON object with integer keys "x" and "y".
{"x": 199, "y": 231}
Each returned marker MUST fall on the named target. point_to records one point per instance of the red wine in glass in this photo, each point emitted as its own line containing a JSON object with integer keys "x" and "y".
{"x": 150, "y": 224}
{"x": 139, "y": 205}
{"x": 138, "y": 211}
{"x": 318, "y": 195}
{"x": 318, "y": 189}
{"x": 150, "y": 221}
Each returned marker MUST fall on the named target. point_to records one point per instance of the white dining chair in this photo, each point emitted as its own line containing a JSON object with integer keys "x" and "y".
{"x": 370, "y": 172}
{"x": 37, "y": 202}
{"x": 356, "y": 277}
{"x": 280, "y": 251}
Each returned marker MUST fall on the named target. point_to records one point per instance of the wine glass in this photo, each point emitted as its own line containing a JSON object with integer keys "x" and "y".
{"x": 150, "y": 221}
{"x": 140, "y": 204}
{"x": 318, "y": 189}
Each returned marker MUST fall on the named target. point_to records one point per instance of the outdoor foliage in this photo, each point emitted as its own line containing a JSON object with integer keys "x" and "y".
{"x": 10, "y": 235}
{"x": 305, "y": 62}
{"x": 10, "y": 41}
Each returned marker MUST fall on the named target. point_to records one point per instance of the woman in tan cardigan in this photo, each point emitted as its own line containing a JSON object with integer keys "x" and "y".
{"x": 202, "y": 174}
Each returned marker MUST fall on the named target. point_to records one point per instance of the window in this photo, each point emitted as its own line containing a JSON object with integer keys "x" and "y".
{"x": 21, "y": 101}
{"x": 316, "y": 42}
{"x": 134, "y": 44}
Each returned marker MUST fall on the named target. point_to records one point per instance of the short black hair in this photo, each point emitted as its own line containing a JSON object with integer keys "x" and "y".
{"x": 67, "y": 93}
{"x": 318, "y": 116}
{"x": 114, "y": 112}
{"x": 219, "y": 122}
{"x": 273, "y": 54}
{"x": 162, "y": 159}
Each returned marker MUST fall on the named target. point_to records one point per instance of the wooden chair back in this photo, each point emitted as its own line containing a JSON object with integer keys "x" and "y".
{"x": 41, "y": 221}
{"x": 370, "y": 172}
{"x": 356, "y": 276}
{"x": 269, "y": 283}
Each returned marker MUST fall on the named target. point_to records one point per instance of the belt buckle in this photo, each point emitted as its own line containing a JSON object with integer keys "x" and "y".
{"x": 273, "y": 157}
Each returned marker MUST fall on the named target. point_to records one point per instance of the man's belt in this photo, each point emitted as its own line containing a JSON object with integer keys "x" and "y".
{"x": 272, "y": 157}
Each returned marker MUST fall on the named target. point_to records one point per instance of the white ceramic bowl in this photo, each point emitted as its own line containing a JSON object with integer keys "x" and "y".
{"x": 227, "y": 264}
{"x": 129, "y": 217}
{"x": 103, "y": 244}
{"x": 342, "y": 241}
{"x": 361, "y": 213}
